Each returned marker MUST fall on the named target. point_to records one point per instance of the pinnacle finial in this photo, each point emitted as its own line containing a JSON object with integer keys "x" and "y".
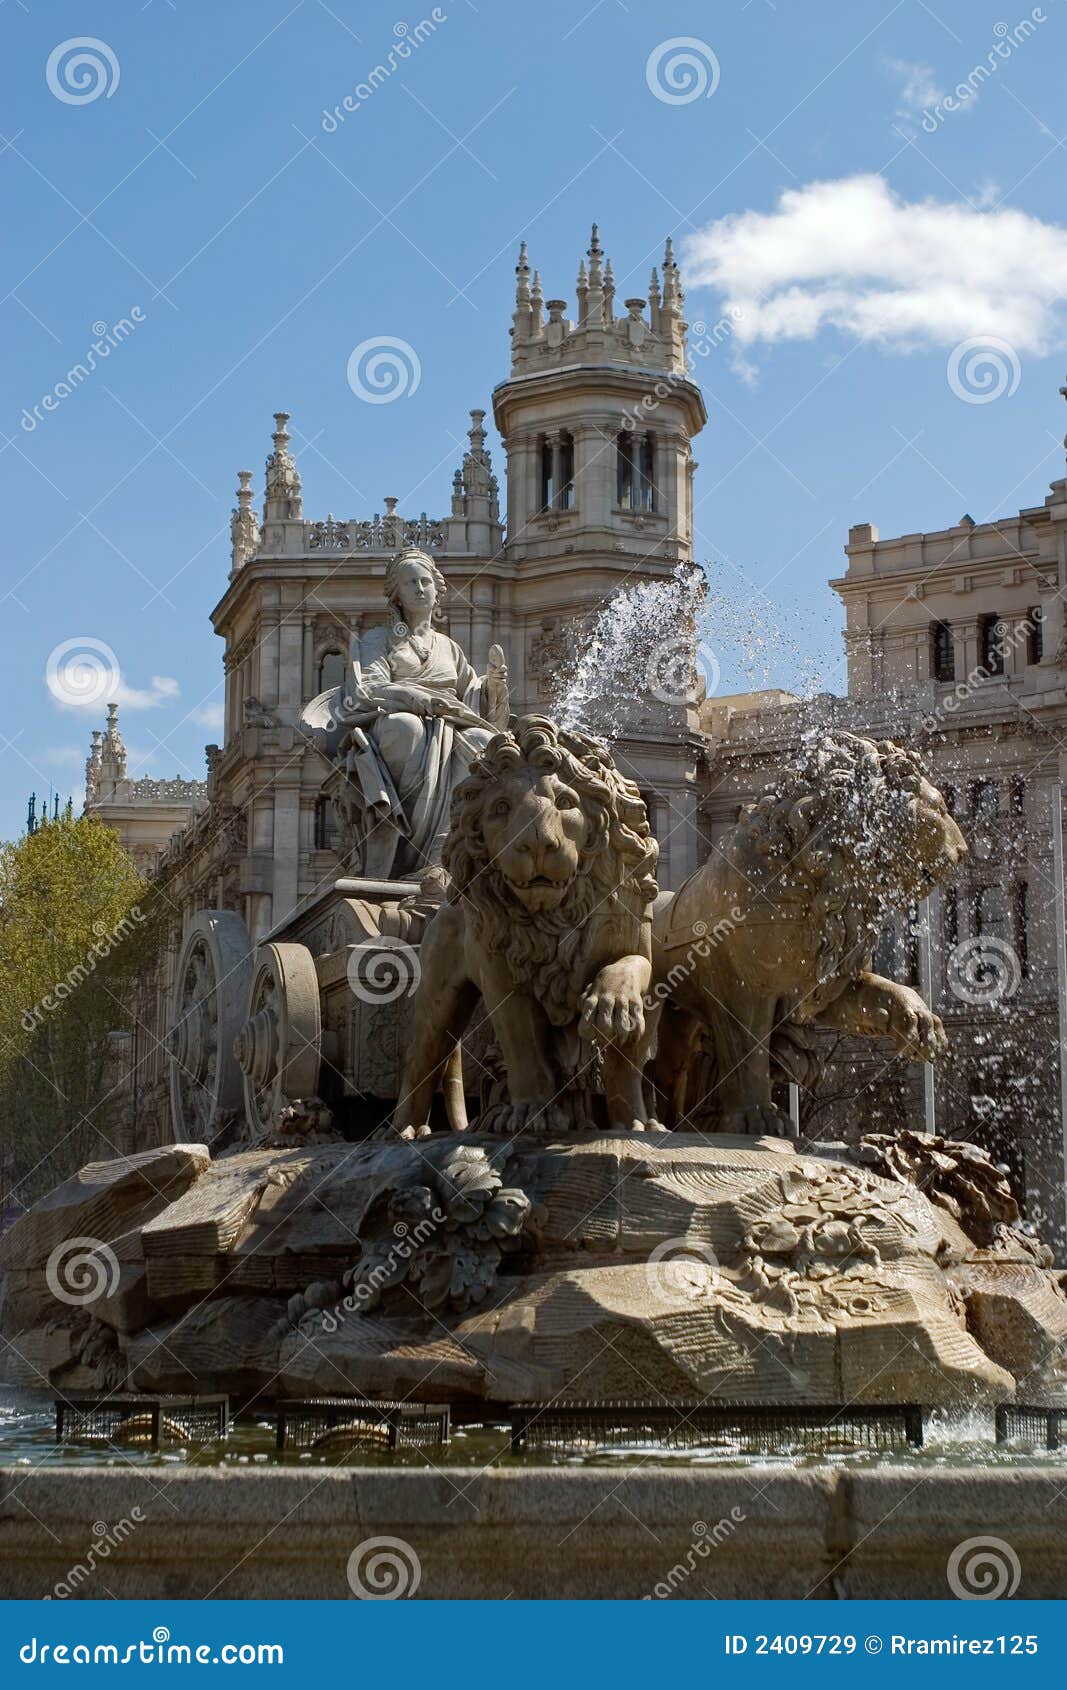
{"x": 522, "y": 277}
{"x": 595, "y": 255}
{"x": 668, "y": 254}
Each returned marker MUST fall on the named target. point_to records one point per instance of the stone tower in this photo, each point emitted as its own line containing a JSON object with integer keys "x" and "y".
{"x": 597, "y": 418}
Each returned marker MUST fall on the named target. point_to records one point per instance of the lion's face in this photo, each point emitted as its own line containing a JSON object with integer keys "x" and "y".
{"x": 939, "y": 845}
{"x": 535, "y": 828}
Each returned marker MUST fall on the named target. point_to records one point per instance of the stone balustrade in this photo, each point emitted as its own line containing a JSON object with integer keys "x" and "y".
{"x": 387, "y": 534}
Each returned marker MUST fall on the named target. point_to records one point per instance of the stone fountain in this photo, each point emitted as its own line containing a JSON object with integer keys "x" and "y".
{"x": 584, "y": 1190}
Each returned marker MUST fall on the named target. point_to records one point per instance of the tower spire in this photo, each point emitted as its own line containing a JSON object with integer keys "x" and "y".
{"x": 595, "y": 295}
{"x": 244, "y": 529}
{"x": 522, "y": 320}
{"x": 536, "y": 305}
{"x": 654, "y": 300}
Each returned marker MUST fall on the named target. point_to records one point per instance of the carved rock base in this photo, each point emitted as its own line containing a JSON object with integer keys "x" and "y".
{"x": 593, "y": 1268}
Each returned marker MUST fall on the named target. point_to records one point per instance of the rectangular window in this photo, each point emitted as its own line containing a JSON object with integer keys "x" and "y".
{"x": 1020, "y": 914}
{"x": 547, "y": 489}
{"x": 942, "y": 652}
{"x": 950, "y": 919}
{"x": 624, "y": 477}
{"x": 1035, "y": 645}
{"x": 566, "y": 472}
{"x": 985, "y": 800}
{"x": 634, "y": 474}
{"x": 992, "y": 641}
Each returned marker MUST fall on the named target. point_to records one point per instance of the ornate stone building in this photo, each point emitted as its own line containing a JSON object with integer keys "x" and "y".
{"x": 955, "y": 645}
{"x": 145, "y": 813}
{"x": 597, "y": 415}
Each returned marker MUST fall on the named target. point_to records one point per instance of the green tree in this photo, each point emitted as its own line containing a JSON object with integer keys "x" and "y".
{"x": 77, "y": 923}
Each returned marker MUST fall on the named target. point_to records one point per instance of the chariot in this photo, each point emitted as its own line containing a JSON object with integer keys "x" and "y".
{"x": 312, "y": 1019}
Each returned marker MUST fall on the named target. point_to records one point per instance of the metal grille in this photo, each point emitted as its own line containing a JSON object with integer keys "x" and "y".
{"x": 754, "y": 1429}
{"x": 1021, "y": 1423}
{"x": 333, "y": 1423}
{"x": 141, "y": 1422}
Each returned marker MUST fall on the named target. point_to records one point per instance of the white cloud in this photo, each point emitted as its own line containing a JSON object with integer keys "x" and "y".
{"x": 208, "y": 715}
{"x": 163, "y": 688}
{"x": 60, "y": 756}
{"x": 919, "y": 89}
{"x": 851, "y": 254}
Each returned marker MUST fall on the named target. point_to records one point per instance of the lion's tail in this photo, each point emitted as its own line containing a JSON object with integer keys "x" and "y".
{"x": 452, "y": 1087}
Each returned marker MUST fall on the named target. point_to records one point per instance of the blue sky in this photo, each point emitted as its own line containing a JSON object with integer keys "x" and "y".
{"x": 259, "y": 247}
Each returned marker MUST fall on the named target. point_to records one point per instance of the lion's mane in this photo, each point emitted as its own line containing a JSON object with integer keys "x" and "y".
{"x": 841, "y": 833}
{"x": 545, "y": 948}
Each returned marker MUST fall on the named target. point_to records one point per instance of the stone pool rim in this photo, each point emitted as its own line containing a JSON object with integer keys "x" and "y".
{"x": 536, "y": 1533}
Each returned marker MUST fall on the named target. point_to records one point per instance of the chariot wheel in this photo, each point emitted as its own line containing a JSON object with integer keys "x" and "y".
{"x": 279, "y": 1046}
{"x": 207, "y": 1009}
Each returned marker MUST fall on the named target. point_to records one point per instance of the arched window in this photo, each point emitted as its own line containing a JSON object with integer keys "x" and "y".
{"x": 331, "y": 670}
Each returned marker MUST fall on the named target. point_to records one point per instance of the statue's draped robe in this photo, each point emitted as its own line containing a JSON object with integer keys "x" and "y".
{"x": 414, "y": 792}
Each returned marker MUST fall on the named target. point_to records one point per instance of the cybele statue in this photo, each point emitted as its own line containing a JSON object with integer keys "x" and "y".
{"x": 406, "y": 725}
{"x": 467, "y": 1189}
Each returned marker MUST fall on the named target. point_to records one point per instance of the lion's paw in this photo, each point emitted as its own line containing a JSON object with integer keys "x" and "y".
{"x": 649, "y": 1126}
{"x": 758, "y": 1120}
{"x": 916, "y": 1030}
{"x": 540, "y": 1120}
{"x": 409, "y": 1133}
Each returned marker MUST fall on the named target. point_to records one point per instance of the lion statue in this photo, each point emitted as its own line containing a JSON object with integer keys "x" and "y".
{"x": 776, "y": 933}
{"x": 548, "y": 922}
